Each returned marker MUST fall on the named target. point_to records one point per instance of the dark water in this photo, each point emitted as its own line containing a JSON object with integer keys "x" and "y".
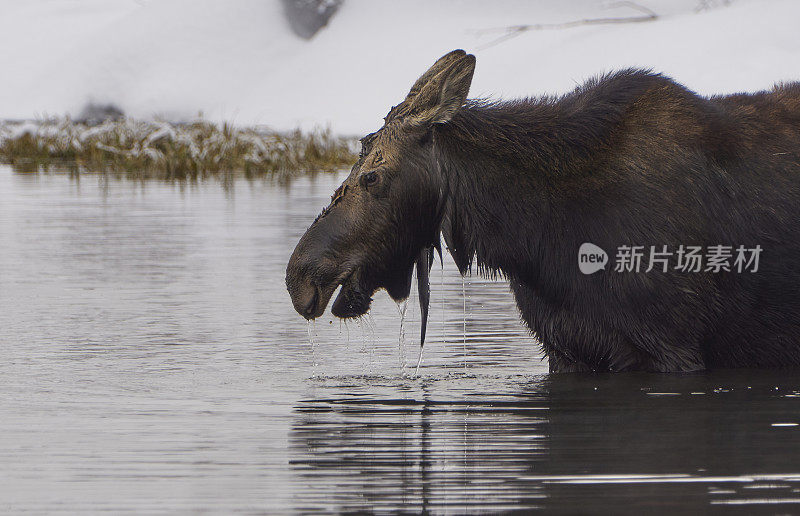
{"x": 152, "y": 363}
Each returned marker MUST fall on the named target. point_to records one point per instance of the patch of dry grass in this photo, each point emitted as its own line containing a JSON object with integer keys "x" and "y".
{"x": 154, "y": 149}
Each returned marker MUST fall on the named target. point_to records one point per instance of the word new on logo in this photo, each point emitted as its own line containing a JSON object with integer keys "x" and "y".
{"x": 591, "y": 258}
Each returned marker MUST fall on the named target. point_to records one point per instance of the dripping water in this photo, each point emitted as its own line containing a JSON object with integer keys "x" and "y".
{"x": 441, "y": 293}
{"x": 402, "y": 306}
{"x": 369, "y": 324}
{"x": 419, "y": 361}
{"x": 360, "y": 325}
{"x": 464, "y": 328}
{"x": 311, "y": 328}
{"x": 345, "y": 333}
{"x": 421, "y": 348}
{"x": 366, "y": 327}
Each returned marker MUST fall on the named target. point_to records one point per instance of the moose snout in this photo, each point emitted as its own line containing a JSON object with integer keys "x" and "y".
{"x": 305, "y": 300}
{"x": 313, "y": 272}
{"x": 304, "y": 293}
{"x": 306, "y": 285}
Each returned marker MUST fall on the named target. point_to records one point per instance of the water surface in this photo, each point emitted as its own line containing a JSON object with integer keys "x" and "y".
{"x": 152, "y": 362}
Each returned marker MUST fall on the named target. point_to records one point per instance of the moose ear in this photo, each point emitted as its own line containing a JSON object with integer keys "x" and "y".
{"x": 444, "y": 94}
{"x": 441, "y": 64}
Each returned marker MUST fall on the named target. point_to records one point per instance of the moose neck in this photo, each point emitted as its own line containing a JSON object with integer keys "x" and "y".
{"x": 504, "y": 168}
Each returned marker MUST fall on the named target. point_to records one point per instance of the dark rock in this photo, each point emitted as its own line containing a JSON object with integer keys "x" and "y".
{"x": 307, "y": 17}
{"x": 95, "y": 114}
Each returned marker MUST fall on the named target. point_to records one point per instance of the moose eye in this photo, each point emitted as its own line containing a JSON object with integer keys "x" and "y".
{"x": 370, "y": 178}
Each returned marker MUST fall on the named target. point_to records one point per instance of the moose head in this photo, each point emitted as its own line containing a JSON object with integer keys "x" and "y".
{"x": 386, "y": 216}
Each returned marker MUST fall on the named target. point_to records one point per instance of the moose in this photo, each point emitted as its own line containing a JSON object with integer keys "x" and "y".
{"x": 516, "y": 187}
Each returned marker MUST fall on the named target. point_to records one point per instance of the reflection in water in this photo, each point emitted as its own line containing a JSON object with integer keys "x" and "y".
{"x": 152, "y": 362}
{"x": 417, "y": 452}
{"x": 624, "y": 443}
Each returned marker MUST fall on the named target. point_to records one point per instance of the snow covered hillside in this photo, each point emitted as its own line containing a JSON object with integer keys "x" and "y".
{"x": 238, "y": 60}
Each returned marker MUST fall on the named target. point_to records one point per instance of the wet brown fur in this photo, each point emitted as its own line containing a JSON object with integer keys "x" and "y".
{"x": 630, "y": 158}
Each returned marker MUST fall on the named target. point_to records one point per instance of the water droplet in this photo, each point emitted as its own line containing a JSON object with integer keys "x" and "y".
{"x": 402, "y": 306}
{"x": 312, "y": 340}
{"x": 441, "y": 293}
{"x": 419, "y": 361}
{"x": 464, "y": 297}
{"x": 370, "y": 326}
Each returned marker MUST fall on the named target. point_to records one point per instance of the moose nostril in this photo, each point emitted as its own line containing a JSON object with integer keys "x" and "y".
{"x": 312, "y": 305}
{"x": 303, "y": 290}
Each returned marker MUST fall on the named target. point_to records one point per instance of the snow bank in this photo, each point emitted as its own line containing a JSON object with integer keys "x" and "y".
{"x": 238, "y": 61}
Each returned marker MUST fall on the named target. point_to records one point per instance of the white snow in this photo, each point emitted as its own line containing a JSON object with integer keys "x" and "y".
{"x": 238, "y": 61}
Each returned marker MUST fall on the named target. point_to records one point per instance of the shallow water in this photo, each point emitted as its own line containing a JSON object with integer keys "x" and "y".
{"x": 152, "y": 362}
